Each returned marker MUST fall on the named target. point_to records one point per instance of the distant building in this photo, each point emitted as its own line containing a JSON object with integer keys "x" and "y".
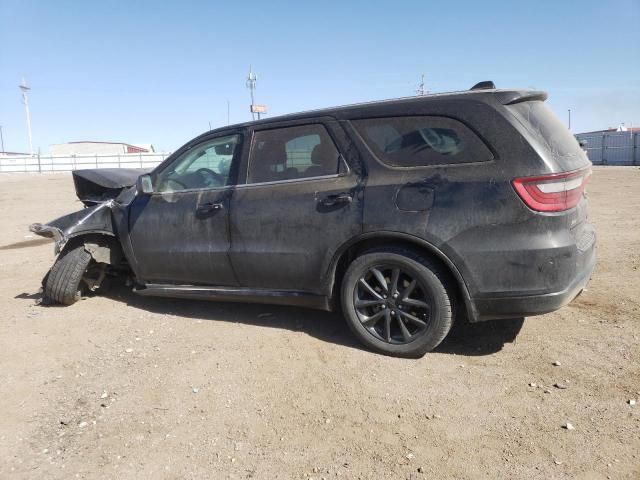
{"x": 98, "y": 148}
{"x": 13, "y": 154}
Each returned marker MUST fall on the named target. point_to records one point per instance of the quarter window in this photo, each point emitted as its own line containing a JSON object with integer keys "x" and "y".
{"x": 421, "y": 141}
{"x": 292, "y": 153}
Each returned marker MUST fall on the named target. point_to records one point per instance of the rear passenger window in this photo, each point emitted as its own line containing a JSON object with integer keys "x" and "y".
{"x": 292, "y": 153}
{"x": 421, "y": 141}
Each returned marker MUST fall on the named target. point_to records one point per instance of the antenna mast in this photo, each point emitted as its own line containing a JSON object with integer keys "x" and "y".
{"x": 421, "y": 90}
{"x": 252, "y": 78}
{"x": 25, "y": 99}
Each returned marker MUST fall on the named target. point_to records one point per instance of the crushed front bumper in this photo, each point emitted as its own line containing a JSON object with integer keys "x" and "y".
{"x": 49, "y": 231}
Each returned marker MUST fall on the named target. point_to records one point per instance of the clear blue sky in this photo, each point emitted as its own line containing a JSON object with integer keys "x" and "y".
{"x": 159, "y": 72}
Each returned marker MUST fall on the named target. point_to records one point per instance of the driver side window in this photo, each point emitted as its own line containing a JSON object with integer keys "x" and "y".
{"x": 206, "y": 165}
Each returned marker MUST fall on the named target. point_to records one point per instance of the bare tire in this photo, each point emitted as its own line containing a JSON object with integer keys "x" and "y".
{"x": 63, "y": 283}
{"x": 397, "y": 302}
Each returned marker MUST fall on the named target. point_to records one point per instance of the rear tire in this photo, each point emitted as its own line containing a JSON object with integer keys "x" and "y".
{"x": 62, "y": 284}
{"x": 397, "y": 302}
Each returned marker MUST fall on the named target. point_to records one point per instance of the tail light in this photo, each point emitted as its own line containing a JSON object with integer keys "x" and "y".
{"x": 553, "y": 193}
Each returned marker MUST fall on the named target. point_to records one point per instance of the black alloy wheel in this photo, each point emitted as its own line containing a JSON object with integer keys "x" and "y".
{"x": 392, "y": 304}
{"x": 397, "y": 301}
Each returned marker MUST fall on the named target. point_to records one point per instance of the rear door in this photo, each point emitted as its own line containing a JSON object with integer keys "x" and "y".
{"x": 180, "y": 233}
{"x": 299, "y": 204}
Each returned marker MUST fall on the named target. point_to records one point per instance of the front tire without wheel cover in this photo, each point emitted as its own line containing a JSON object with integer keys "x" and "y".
{"x": 63, "y": 282}
{"x": 397, "y": 302}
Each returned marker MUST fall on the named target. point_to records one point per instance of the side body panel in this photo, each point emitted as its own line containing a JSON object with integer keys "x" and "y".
{"x": 174, "y": 241}
{"x": 471, "y": 213}
{"x": 281, "y": 232}
{"x": 182, "y": 237}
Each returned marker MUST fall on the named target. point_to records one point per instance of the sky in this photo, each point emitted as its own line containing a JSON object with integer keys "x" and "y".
{"x": 161, "y": 72}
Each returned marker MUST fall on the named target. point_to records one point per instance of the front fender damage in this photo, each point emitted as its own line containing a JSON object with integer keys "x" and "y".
{"x": 96, "y": 219}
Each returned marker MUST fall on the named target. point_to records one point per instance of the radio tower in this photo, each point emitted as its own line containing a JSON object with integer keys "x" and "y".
{"x": 25, "y": 99}
{"x": 421, "y": 90}
{"x": 252, "y": 78}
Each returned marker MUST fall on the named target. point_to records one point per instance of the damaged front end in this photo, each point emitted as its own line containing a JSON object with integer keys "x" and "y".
{"x": 98, "y": 190}
{"x": 87, "y": 243}
{"x": 91, "y": 220}
{"x": 95, "y": 186}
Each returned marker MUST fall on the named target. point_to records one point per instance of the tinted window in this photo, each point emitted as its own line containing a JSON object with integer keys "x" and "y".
{"x": 551, "y": 133}
{"x": 291, "y": 153}
{"x": 420, "y": 141}
{"x": 206, "y": 165}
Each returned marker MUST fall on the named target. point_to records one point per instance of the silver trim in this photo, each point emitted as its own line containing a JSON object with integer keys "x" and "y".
{"x": 292, "y": 180}
{"x": 192, "y": 190}
{"x": 341, "y": 159}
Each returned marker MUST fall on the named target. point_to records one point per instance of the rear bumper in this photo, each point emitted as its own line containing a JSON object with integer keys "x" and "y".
{"x": 522, "y": 304}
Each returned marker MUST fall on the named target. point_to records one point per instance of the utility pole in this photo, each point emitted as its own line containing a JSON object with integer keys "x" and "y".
{"x": 25, "y": 99}
{"x": 569, "y": 110}
{"x": 252, "y": 78}
{"x": 421, "y": 90}
{"x": 251, "y": 85}
{"x": 1, "y": 139}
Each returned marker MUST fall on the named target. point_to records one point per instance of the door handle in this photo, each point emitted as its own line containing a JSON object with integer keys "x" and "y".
{"x": 339, "y": 198}
{"x": 209, "y": 207}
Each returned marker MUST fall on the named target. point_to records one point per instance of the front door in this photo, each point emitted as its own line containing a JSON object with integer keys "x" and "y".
{"x": 300, "y": 203}
{"x": 180, "y": 233}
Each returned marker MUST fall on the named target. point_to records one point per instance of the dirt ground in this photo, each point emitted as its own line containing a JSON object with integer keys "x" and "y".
{"x": 130, "y": 387}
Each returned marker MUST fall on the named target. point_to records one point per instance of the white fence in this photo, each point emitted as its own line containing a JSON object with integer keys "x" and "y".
{"x": 44, "y": 163}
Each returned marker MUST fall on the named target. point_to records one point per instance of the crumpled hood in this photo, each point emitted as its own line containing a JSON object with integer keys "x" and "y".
{"x": 98, "y": 185}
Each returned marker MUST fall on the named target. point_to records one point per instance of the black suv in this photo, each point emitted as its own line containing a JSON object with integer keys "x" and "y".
{"x": 405, "y": 213}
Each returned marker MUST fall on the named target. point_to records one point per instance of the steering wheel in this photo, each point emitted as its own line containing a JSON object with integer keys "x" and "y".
{"x": 220, "y": 179}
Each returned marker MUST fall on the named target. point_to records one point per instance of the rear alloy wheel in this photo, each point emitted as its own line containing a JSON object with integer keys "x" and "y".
{"x": 396, "y": 302}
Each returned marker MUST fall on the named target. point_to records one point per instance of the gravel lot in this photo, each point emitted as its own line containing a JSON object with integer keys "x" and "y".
{"x": 129, "y": 387}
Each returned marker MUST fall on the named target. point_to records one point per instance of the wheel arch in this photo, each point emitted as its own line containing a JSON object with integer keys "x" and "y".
{"x": 351, "y": 249}
{"x": 102, "y": 245}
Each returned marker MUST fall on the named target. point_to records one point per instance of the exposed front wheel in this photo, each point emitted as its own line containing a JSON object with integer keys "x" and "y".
{"x": 68, "y": 276}
{"x": 397, "y": 302}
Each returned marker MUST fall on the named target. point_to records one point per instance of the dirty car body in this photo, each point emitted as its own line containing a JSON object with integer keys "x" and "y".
{"x": 406, "y": 213}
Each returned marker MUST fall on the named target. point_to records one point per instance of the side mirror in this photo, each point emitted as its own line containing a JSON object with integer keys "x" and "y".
{"x": 144, "y": 185}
